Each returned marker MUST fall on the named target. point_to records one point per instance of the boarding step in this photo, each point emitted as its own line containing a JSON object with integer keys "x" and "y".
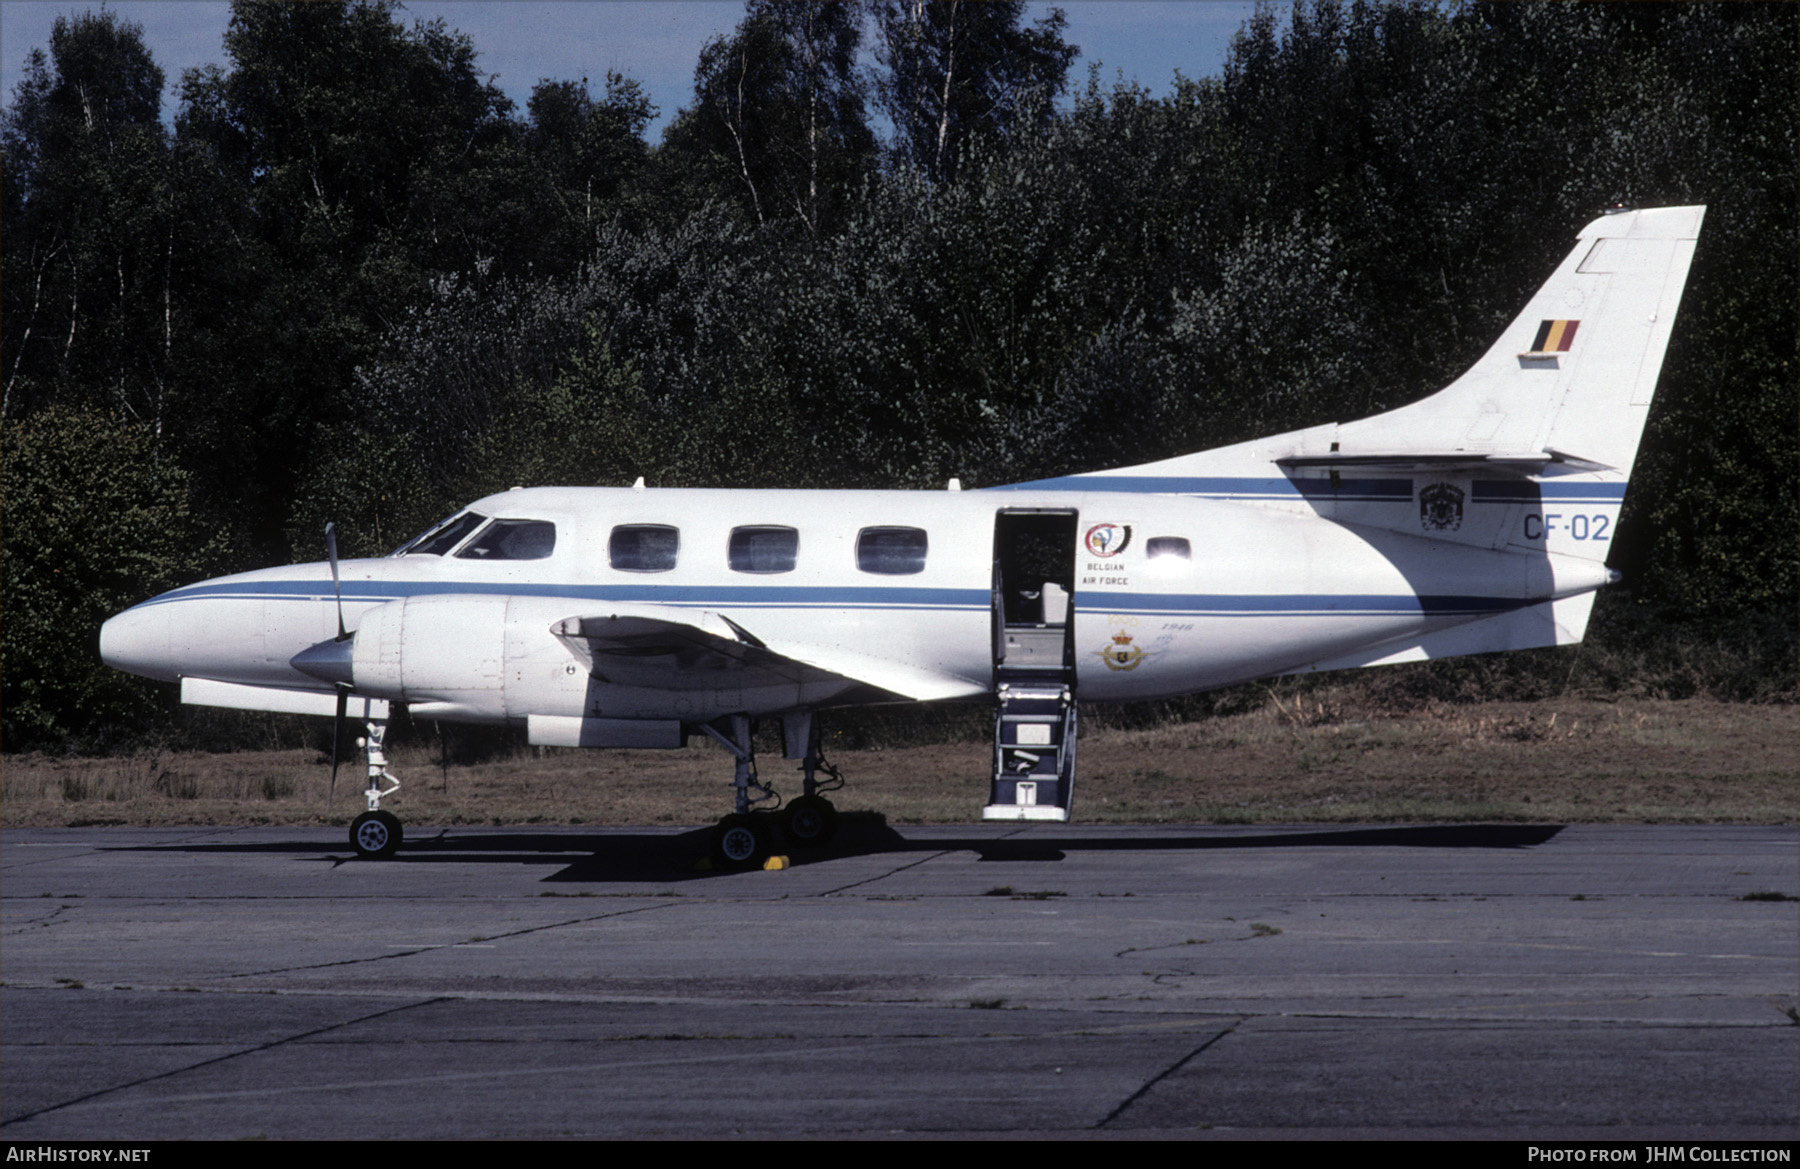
{"x": 1034, "y": 752}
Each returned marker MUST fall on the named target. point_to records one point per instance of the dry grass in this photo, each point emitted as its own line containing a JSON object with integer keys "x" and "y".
{"x": 1309, "y": 758}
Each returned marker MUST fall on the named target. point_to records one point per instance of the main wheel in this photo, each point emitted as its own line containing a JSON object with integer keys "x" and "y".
{"x": 375, "y": 835}
{"x": 741, "y": 841}
{"x": 809, "y": 821}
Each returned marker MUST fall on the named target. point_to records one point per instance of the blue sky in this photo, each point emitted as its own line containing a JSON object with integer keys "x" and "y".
{"x": 523, "y": 41}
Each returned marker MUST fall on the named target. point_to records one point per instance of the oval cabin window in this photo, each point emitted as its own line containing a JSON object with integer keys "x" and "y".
{"x": 643, "y": 547}
{"x": 765, "y": 549}
{"x": 891, "y": 551}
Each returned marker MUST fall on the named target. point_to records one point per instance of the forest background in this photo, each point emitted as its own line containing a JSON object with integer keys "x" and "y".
{"x": 353, "y": 282}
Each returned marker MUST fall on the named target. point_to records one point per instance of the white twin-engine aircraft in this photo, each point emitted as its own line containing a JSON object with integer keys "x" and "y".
{"x": 1475, "y": 520}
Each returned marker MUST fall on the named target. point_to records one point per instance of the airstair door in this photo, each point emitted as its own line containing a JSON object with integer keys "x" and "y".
{"x": 1034, "y": 666}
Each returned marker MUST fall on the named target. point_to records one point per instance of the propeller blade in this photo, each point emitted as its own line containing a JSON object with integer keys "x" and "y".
{"x": 336, "y": 592}
{"x": 337, "y": 735}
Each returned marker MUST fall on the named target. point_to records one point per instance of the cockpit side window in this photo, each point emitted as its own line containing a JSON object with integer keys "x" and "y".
{"x": 512, "y": 540}
{"x": 445, "y": 536}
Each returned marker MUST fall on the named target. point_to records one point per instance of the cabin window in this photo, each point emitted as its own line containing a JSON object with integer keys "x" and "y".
{"x": 441, "y": 538}
{"x": 763, "y": 549}
{"x": 891, "y": 551}
{"x": 512, "y": 540}
{"x": 1168, "y": 546}
{"x": 643, "y": 547}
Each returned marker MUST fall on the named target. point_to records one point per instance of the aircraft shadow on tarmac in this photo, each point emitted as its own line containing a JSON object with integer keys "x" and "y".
{"x": 653, "y": 856}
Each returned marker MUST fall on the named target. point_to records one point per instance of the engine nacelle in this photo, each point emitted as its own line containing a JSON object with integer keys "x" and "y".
{"x": 468, "y": 657}
{"x": 443, "y": 648}
{"x": 491, "y": 658}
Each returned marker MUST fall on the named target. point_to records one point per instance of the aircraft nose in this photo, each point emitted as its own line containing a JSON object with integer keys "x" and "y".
{"x": 137, "y": 641}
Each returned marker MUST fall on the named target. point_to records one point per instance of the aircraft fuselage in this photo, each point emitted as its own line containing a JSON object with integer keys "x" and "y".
{"x": 1236, "y": 591}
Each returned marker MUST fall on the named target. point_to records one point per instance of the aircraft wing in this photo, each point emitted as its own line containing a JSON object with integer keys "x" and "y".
{"x": 660, "y": 647}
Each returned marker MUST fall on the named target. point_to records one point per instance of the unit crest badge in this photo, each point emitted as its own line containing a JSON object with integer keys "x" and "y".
{"x": 1108, "y": 539}
{"x": 1441, "y": 507}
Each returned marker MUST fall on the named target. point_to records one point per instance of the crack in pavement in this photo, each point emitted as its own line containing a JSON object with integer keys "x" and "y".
{"x": 37, "y": 923}
{"x": 482, "y": 939}
{"x": 897, "y": 869}
{"x": 215, "y": 1059}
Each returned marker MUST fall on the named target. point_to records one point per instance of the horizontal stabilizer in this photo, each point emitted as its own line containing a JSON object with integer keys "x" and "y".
{"x": 1445, "y": 462}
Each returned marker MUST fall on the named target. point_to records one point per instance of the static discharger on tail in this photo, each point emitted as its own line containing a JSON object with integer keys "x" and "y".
{"x": 1475, "y": 520}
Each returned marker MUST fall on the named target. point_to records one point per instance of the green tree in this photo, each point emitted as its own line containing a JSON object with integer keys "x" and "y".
{"x": 587, "y": 153}
{"x": 97, "y": 519}
{"x": 366, "y": 158}
{"x": 956, "y": 70}
{"x": 778, "y": 122}
{"x": 88, "y": 207}
{"x": 354, "y": 135}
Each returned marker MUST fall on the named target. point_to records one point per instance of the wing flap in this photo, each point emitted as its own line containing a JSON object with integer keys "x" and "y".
{"x": 660, "y": 648}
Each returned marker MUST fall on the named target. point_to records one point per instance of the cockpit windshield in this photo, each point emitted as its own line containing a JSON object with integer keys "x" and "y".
{"x": 441, "y": 538}
{"x": 512, "y": 540}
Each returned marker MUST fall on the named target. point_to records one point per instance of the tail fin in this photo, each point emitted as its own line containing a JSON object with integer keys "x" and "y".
{"x": 1571, "y": 378}
{"x": 1531, "y": 449}
{"x": 1540, "y": 435}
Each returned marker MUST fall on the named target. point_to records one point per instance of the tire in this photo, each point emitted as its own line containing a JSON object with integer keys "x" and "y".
{"x": 740, "y": 842}
{"x": 375, "y": 835}
{"x": 809, "y": 822}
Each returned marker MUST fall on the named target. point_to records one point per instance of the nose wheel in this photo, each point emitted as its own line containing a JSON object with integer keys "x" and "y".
{"x": 741, "y": 841}
{"x": 375, "y": 835}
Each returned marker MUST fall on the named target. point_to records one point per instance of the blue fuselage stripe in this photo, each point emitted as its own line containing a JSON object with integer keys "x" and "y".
{"x": 685, "y": 595}
{"x": 1305, "y": 605}
{"x": 1516, "y": 491}
{"x": 941, "y": 599}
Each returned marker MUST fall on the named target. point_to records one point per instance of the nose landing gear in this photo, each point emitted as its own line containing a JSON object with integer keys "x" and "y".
{"x": 376, "y": 834}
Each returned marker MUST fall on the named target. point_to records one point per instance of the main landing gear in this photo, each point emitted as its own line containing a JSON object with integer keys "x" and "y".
{"x": 742, "y": 840}
{"x": 748, "y": 837}
{"x": 376, "y": 834}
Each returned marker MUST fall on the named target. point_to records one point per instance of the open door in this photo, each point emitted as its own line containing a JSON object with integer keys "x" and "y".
{"x": 1034, "y": 665}
{"x": 1034, "y": 585}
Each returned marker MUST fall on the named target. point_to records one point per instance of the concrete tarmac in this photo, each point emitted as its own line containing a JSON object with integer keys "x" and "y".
{"x": 1518, "y": 982}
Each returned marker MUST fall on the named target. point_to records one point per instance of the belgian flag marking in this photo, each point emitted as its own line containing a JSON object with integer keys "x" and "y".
{"x": 1554, "y": 337}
